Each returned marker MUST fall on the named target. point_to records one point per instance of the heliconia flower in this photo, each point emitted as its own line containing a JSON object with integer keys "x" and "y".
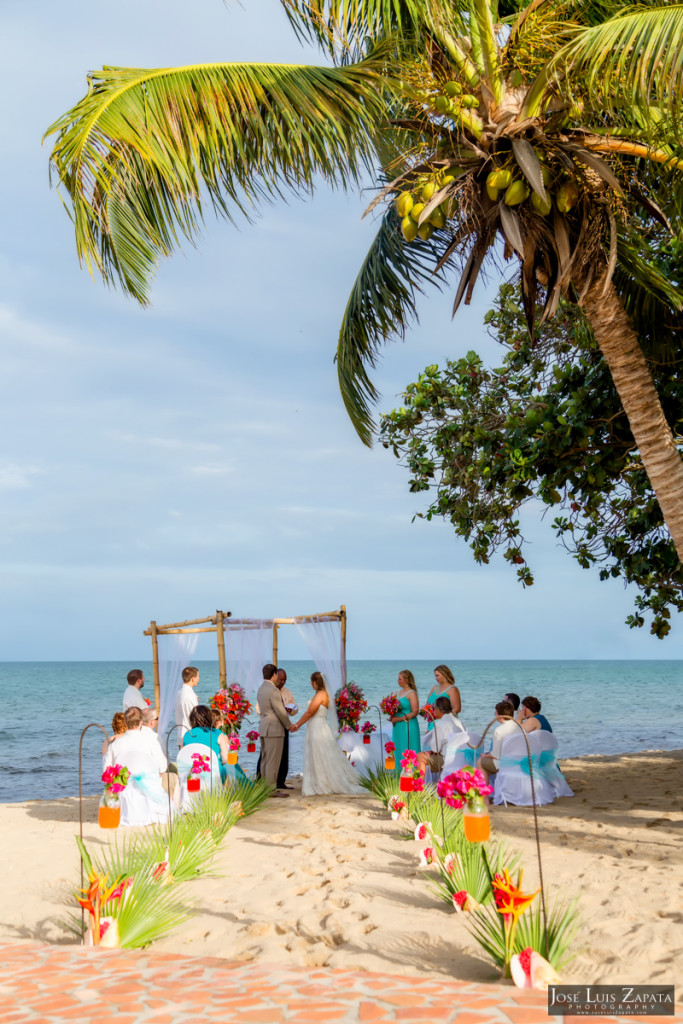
{"x": 426, "y": 856}
{"x": 422, "y": 832}
{"x": 531, "y": 970}
{"x": 510, "y": 900}
{"x": 450, "y": 861}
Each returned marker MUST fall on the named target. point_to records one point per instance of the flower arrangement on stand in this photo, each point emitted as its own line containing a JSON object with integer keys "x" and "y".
{"x": 233, "y": 705}
{"x": 390, "y": 706}
{"x": 252, "y": 738}
{"x": 115, "y": 780}
{"x": 427, "y": 712}
{"x": 389, "y": 761}
{"x": 234, "y": 745}
{"x": 367, "y": 729}
{"x": 466, "y": 789}
{"x": 200, "y": 764}
{"x": 350, "y": 703}
{"x": 412, "y": 778}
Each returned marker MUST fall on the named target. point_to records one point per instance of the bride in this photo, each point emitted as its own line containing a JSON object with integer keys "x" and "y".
{"x": 326, "y": 767}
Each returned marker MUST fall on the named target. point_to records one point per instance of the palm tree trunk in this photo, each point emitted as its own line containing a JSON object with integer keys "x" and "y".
{"x": 619, "y": 345}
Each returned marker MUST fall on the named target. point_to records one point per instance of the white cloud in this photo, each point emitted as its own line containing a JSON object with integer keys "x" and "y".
{"x": 14, "y": 477}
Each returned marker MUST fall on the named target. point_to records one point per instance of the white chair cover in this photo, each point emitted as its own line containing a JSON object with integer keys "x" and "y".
{"x": 459, "y": 752}
{"x": 512, "y": 784}
{"x": 363, "y": 755}
{"x": 208, "y": 780}
{"x": 549, "y": 768}
{"x": 144, "y": 801}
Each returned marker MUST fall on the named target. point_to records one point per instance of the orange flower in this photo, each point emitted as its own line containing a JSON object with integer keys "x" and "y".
{"x": 510, "y": 900}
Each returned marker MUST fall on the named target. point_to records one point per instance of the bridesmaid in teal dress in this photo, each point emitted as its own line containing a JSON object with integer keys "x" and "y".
{"x": 445, "y": 687}
{"x": 406, "y": 734}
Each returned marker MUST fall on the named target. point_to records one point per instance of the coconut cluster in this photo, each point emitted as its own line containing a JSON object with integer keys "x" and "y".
{"x": 409, "y": 207}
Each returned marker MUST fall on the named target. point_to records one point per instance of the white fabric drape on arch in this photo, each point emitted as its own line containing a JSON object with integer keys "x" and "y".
{"x": 323, "y": 640}
{"x": 175, "y": 653}
{"x": 248, "y": 647}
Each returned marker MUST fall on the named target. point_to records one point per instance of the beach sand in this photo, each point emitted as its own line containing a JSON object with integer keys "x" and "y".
{"x": 334, "y": 882}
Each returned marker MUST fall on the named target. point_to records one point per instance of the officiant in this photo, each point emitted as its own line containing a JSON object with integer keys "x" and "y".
{"x": 291, "y": 709}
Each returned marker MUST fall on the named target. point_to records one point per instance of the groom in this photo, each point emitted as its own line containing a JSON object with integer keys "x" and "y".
{"x": 273, "y": 724}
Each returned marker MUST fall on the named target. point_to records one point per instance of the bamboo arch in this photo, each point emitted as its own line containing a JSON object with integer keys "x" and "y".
{"x": 218, "y": 624}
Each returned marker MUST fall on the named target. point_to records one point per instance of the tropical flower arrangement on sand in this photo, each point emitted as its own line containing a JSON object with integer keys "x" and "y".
{"x": 481, "y": 880}
{"x": 367, "y": 729}
{"x": 351, "y": 704}
{"x": 427, "y": 712}
{"x": 233, "y": 705}
{"x": 137, "y": 887}
{"x": 412, "y": 778}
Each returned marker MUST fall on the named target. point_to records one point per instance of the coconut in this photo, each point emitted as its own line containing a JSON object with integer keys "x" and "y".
{"x": 404, "y": 204}
{"x": 409, "y": 229}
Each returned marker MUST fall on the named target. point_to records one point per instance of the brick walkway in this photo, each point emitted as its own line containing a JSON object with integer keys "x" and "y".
{"x": 48, "y": 983}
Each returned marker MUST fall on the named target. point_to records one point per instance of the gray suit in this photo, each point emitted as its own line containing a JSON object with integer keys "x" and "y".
{"x": 273, "y": 723}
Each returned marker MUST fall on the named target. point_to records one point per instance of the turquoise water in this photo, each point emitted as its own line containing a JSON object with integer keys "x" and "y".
{"x": 595, "y": 707}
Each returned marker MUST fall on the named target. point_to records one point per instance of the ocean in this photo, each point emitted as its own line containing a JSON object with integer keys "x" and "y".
{"x": 595, "y": 707}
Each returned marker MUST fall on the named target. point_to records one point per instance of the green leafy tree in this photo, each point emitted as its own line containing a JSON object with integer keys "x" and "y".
{"x": 541, "y": 131}
{"x": 548, "y": 426}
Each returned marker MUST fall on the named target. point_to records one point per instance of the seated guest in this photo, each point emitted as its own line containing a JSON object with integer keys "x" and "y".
{"x": 145, "y": 761}
{"x": 489, "y": 763}
{"x": 446, "y": 727}
{"x": 202, "y": 730}
{"x": 512, "y": 698}
{"x": 530, "y": 716}
{"x": 118, "y": 727}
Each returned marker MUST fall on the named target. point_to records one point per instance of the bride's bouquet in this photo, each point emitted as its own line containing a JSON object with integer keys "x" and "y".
{"x": 390, "y": 706}
{"x": 350, "y": 703}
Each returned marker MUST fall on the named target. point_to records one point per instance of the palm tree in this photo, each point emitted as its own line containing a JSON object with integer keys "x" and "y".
{"x": 539, "y": 135}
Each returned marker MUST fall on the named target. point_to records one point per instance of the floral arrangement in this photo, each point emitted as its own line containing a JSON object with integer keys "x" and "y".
{"x": 234, "y": 741}
{"x": 389, "y": 748}
{"x": 410, "y": 764}
{"x": 464, "y": 903}
{"x": 115, "y": 779}
{"x": 233, "y": 705}
{"x": 350, "y": 703}
{"x": 367, "y": 728}
{"x": 427, "y": 712}
{"x": 391, "y": 705}
{"x": 252, "y": 735}
{"x": 466, "y": 786}
{"x": 397, "y": 808}
{"x": 200, "y": 763}
{"x": 511, "y": 903}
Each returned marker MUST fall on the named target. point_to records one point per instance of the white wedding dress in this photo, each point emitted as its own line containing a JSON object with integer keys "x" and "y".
{"x": 327, "y": 769}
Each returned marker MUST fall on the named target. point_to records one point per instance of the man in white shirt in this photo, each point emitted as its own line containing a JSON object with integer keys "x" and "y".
{"x": 445, "y": 728}
{"x": 132, "y": 698}
{"x": 134, "y": 744}
{"x": 185, "y": 701}
{"x": 489, "y": 763}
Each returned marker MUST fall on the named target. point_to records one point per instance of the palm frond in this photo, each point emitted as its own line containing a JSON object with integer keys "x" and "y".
{"x": 344, "y": 25}
{"x": 632, "y": 60}
{"x": 381, "y": 307}
{"x": 145, "y": 150}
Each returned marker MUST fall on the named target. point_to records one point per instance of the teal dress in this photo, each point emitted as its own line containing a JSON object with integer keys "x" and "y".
{"x": 406, "y": 735}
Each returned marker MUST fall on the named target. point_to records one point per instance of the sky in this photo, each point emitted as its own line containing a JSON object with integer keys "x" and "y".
{"x": 162, "y": 463}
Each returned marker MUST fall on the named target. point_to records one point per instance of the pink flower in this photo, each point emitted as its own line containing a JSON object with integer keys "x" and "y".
{"x": 449, "y": 862}
{"x": 531, "y": 970}
{"x": 422, "y": 832}
{"x": 426, "y": 856}
{"x": 390, "y": 747}
{"x": 460, "y": 899}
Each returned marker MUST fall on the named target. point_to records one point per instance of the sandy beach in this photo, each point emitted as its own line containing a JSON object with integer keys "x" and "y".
{"x": 334, "y": 882}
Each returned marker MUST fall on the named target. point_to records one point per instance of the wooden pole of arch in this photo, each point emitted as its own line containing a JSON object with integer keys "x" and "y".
{"x": 155, "y": 665}
{"x": 220, "y": 638}
{"x": 342, "y": 615}
{"x": 275, "y": 627}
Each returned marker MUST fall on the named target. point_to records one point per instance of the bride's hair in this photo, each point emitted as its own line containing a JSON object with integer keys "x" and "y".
{"x": 318, "y": 681}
